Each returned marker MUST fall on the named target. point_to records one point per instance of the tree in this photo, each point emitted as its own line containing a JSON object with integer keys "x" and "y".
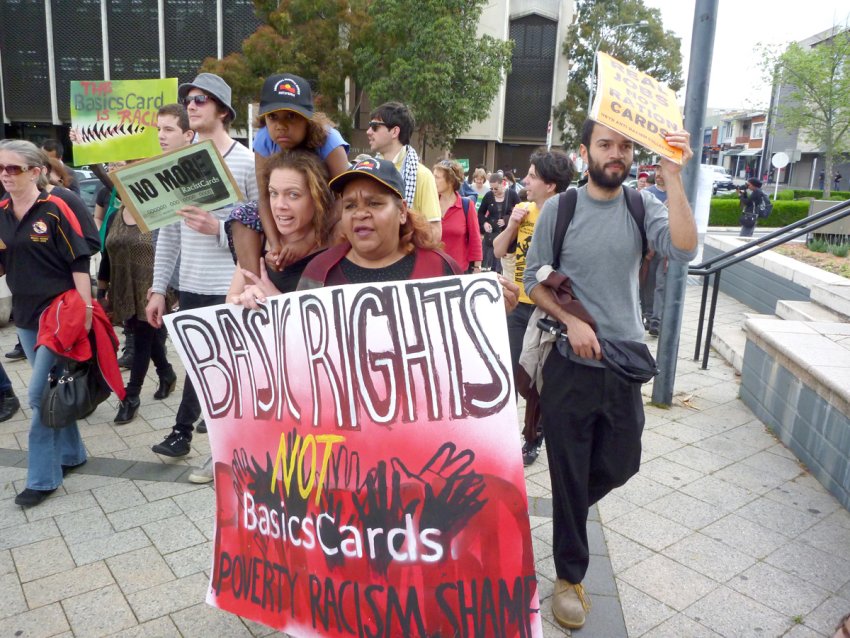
{"x": 427, "y": 54}
{"x": 818, "y": 102}
{"x": 649, "y": 48}
{"x": 311, "y": 38}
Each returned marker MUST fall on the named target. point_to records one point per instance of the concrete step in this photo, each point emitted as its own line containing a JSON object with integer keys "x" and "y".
{"x": 806, "y": 311}
{"x": 835, "y": 297}
{"x": 730, "y": 341}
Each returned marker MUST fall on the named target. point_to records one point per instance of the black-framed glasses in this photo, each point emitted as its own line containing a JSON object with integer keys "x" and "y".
{"x": 197, "y": 99}
{"x": 13, "y": 169}
{"x": 375, "y": 125}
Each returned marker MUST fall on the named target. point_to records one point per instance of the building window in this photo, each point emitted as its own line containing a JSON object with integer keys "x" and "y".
{"x": 528, "y": 100}
{"x": 757, "y": 130}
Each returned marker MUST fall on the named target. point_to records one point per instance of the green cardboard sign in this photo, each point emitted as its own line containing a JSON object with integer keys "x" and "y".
{"x": 116, "y": 120}
{"x": 464, "y": 163}
{"x": 195, "y": 175}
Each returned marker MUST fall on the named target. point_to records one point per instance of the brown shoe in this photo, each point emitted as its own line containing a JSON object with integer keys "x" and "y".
{"x": 570, "y": 604}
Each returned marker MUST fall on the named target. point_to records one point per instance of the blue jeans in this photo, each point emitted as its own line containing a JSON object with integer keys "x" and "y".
{"x": 49, "y": 449}
{"x": 5, "y": 381}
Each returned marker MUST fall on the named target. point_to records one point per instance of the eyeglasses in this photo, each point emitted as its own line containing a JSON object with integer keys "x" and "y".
{"x": 13, "y": 169}
{"x": 375, "y": 125}
{"x": 197, "y": 99}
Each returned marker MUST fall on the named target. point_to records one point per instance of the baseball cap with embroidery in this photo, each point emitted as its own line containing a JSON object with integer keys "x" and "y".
{"x": 381, "y": 170}
{"x": 286, "y": 92}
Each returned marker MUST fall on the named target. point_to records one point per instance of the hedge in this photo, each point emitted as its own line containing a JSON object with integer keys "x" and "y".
{"x": 725, "y": 212}
{"x": 818, "y": 194}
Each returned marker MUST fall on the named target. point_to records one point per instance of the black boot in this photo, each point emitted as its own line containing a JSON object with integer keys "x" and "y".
{"x": 167, "y": 382}
{"x": 126, "y": 358}
{"x": 127, "y": 411}
{"x": 9, "y": 404}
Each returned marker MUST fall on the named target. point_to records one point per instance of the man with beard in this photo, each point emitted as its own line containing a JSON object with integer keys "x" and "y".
{"x": 593, "y": 419}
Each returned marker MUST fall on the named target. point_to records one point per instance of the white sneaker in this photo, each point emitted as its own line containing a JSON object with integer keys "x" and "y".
{"x": 203, "y": 474}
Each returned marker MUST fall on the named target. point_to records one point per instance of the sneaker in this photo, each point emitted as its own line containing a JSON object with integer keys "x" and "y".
{"x": 202, "y": 474}
{"x": 175, "y": 444}
{"x": 16, "y": 353}
{"x": 653, "y": 331}
{"x": 570, "y": 604}
{"x": 201, "y": 428}
{"x": 530, "y": 451}
{"x": 31, "y": 498}
{"x": 126, "y": 359}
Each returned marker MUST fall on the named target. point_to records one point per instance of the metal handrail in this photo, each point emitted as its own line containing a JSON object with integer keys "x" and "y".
{"x": 715, "y": 265}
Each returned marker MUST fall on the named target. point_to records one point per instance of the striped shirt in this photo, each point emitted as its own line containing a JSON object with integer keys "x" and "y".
{"x": 206, "y": 266}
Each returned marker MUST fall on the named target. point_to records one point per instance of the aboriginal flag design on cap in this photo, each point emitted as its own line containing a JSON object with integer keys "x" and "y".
{"x": 286, "y": 92}
{"x": 381, "y": 170}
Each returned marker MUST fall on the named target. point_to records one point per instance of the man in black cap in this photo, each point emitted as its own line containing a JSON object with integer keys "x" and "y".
{"x": 206, "y": 267}
{"x": 592, "y": 417}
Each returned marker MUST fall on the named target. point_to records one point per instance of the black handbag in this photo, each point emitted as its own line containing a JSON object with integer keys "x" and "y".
{"x": 74, "y": 390}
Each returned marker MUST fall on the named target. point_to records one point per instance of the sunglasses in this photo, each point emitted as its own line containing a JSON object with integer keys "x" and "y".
{"x": 197, "y": 99}
{"x": 445, "y": 163}
{"x": 13, "y": 169}
{"x": 375, "y": 125}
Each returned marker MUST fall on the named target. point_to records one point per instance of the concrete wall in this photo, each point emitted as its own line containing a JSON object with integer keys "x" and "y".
{"x": 756, "y": 287}
{"x": 815, "y": 430}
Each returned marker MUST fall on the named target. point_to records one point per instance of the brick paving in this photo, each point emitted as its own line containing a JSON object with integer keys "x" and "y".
{"x": 723, "y": 532}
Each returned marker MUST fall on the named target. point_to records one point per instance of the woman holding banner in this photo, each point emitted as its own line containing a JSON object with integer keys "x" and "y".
{"x": 287, "y": 122}
{"x": 45, "y": 255}
{"x": 301, "y": 206}
{"x": 123, "y": 280}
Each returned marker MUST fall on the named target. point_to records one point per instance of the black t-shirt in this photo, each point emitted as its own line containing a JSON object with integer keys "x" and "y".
{"x": 84, "y": 216}
{"x": 42, "y": 251}
{"x": 399, "y": 271}
{"x": 287, "y": 279}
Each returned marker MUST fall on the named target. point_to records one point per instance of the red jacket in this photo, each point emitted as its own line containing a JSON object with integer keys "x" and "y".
{"x": 461, "y": 234}
{"x": 61, "y": 328}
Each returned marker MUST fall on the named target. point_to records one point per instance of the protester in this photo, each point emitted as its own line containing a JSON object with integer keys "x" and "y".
{"x": 287, "y": 121}
{"x": 654, "y": 280}
{"x": 492, "y": 213}
{"x": 125, "y": 276}
{"x": 549, "y": 173}
{"x": 390, "y": 129}
{"x": 479, "y": 183}
{"x": 302, "y": 208}
{"x": 385, "y": 239}
{"x": 55, "y": 150}
{"x": 593, "y": 418}
{"x": 37, "y": 272}
{"x": 461, "y": 235}
{"x": 642, "y": 180}
{"x": 206, "y": 267}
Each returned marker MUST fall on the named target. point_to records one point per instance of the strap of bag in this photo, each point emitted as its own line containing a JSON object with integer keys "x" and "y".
{"x": 566, "y": 211}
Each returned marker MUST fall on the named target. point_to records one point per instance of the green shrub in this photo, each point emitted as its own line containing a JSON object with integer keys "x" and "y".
{"x": 818, "y": 245}
{"x": 785, "y": 195}
{"x": 839, "y": 250}
{"x": 818, "y": 194}
{"x": 725, "y": 212}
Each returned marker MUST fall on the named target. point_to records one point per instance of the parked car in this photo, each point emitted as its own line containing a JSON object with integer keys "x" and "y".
{"x": 721, "y": 179}
{"x": 83, "y": 173}
{"x": 88, "y": 191}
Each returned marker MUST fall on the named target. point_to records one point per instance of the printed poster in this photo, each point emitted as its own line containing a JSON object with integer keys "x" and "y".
{"x": 367, "y": 461}
{"x": 113, "y": 120}
{"x": 636, "y": 105}
{"x": 156, "y": 188}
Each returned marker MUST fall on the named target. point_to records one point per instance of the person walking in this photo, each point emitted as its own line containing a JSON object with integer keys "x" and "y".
{"x": 461, "y": 236}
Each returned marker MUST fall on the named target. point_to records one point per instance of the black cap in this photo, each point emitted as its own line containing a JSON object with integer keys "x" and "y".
{"x": 381, "y": 170}
{"x": 286, "y": 92}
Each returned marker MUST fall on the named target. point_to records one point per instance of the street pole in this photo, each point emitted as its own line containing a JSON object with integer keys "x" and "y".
{"x": 696, "y": 99}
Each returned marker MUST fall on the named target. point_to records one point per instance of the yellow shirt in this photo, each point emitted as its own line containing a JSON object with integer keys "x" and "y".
{"x": 523, "y": 242}
{"x": 426, "y": 201}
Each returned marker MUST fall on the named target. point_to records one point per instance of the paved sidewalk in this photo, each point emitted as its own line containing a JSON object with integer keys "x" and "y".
{"x": 722, "y": 533}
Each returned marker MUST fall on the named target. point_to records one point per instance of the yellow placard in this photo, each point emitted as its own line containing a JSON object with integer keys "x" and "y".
{"x": 637, "y": 105}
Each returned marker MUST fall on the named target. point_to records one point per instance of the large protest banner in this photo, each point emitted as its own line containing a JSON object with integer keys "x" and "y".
{"x": 636, "y": 105}
{"x": 156, "y": 188}
{"x": 366, "y": 458}
{"x": 114, "y": 120}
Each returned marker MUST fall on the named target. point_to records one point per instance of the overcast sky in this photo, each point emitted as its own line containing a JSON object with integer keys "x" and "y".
{"x": 736, "y": 79}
